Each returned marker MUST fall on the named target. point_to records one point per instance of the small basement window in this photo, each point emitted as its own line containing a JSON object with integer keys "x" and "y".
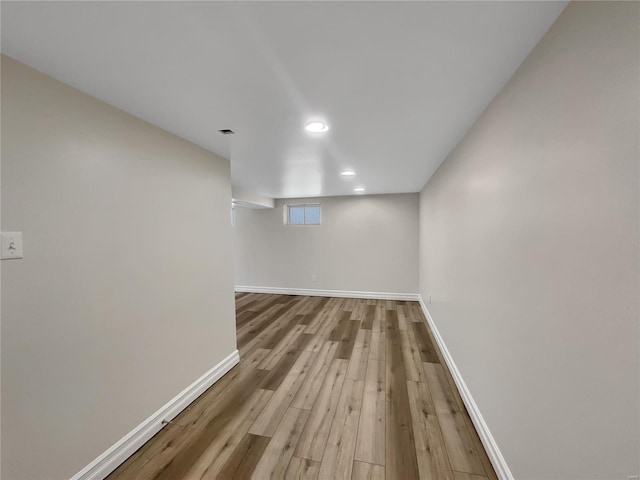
{"x": 307, "y": 214}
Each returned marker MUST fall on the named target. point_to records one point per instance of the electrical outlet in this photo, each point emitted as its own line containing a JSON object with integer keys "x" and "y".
{"x": 11, "y": 245}
{"x": 314, "y": 278}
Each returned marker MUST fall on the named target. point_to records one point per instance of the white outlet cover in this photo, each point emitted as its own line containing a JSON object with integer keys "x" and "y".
{"x": 11, "y": 245}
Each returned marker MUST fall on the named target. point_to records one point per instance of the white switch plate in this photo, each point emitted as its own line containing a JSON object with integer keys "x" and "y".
{"x": 11, "y": 245}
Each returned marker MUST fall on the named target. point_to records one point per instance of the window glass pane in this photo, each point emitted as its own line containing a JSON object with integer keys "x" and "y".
{"x": 296, "y": 215}
{"x": 312, "y": 214}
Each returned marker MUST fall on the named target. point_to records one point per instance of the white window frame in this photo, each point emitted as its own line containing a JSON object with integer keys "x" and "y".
{"x": 286, "y": 214}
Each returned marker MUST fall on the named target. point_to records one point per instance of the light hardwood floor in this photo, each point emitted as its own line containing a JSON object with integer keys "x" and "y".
{"x": 326, "y": 388}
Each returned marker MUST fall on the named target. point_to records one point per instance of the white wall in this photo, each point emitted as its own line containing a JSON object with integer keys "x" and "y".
{"x": 530, "y": 250}
{"x": 252, "y": 199}
{"x": 125, "y": 294}
{"x": 364, "y": 243}
{"x": 0, "y": 294}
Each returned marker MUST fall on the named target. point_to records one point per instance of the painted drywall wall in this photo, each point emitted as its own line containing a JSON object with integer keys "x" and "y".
{"x": 529, "y": 243}
{"x": 364, "y": 243}
{"x": 125, "y": 294}
{"x": 0, "y": 292}
{"x": 251, "y": 199}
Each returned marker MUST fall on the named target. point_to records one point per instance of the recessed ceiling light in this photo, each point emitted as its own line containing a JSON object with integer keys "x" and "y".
{"x": 316, "y": 127}
{"x": 348, "y": 173}
{"x": 359, "y": 189}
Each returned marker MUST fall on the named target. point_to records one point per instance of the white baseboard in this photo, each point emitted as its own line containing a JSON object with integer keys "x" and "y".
{"x": 127, "y": 445}
{"x": 490, "y": 445}
{"x": 330, "y": 293}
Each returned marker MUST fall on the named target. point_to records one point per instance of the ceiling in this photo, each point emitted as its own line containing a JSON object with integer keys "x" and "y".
{"x": 398, "y": 83}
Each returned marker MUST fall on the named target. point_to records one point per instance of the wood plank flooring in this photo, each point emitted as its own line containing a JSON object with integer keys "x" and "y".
{"x": 326, "y": 388}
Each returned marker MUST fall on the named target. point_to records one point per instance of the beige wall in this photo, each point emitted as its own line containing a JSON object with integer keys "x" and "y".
{"x": 255, "y": 200}
{"x": 364, "y": 243}
{"x": 530, "y": 246}
{"x": 125, "y": 293}
{"x": 0, "y": 291}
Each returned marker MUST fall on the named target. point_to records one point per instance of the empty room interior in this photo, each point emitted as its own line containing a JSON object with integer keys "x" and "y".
{"x": 320, "y": 240}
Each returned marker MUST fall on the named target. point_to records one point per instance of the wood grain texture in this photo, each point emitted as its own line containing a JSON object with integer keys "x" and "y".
{"x": 348, "y": 340}
{"x": 367, "y": 471}
{"x": 280, "y": 370}
{"x": 302, "y": 469}
{"x": 214, "y": 456}
{"x": 367, "y": 323}
{"x": 377, "y": 347}
{"x": 308, "y": 391}
{"x": 337, "y": 461}
{"x": 467, "y": 476}
{"x": 282, "y": 347}
{"x": 245, "y": 457}
{"x": 430, "y": 447}
{"x": 326, "y": 388}
{"x": 412, "y": 359}
{"x": 400, "y": 459}
{"x": 427, "y": 348}
{"x": 461, "y": 450}
{"x": 270, "y": 417}
{"x": 276, "y": 457}
{"x": 370, "y": 446}
{"x": 154, "y": 454}
{"x": 339, "y": 328}
{"x": 314, "y": 437}
{"x": 360, "y": 355}
{"x": 206, "y": 429}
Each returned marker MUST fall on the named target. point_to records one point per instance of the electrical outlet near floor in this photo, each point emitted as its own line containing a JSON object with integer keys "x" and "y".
{"x": 314, "y": 278}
